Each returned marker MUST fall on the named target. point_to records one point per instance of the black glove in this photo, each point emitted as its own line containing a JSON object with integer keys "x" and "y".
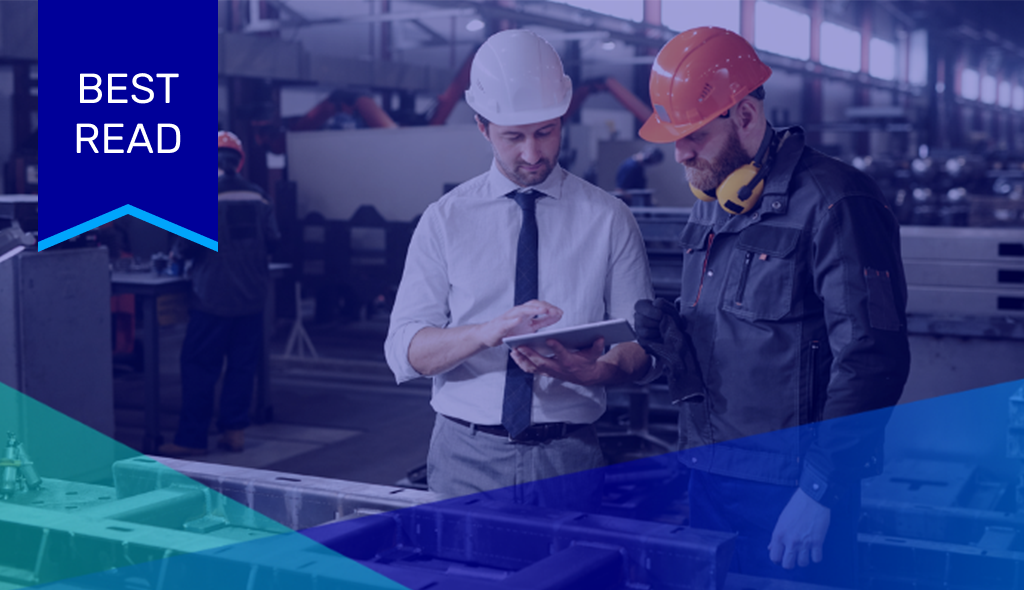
{"x": 661, "y": 331}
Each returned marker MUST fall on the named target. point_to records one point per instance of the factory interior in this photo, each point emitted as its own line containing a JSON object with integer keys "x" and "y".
{"x": 353, "y": 120}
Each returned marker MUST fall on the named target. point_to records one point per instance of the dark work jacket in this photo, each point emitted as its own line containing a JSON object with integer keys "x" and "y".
{"x": 233, "y": 281}
{"x": 797, "y": 312}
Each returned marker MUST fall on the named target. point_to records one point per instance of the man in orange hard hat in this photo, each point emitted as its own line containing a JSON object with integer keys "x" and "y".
{"x": 229, "y": 290}
{"x": 793, "y": 297}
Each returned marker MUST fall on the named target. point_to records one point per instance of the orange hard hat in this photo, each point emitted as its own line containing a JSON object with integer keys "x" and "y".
{"x": 230, "y": 141}
{"x": 697, "y": 76}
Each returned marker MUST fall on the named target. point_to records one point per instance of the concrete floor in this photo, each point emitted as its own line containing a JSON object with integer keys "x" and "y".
{"x": 342, "y": 418}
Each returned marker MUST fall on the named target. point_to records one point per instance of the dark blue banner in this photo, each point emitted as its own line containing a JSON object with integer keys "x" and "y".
{"x": 127, "y": 97}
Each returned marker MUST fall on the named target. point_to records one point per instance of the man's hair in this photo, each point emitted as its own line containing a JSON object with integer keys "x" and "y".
{"x": 758, "y": 93}
{"x": 228, "y": 160}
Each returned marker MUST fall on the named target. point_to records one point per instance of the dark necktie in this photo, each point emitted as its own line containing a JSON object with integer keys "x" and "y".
{"x": 518, "y": 402}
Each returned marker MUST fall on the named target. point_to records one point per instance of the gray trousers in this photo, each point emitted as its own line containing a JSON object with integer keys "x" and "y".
{"x": 563, "y": 474}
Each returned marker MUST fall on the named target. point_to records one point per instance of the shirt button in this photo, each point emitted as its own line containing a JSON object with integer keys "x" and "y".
{"x": 776, "y": 204}
{"x": 756, "y": 215}
{"x": 711, "y": 273}
{"x": 693, "y": 459}
{"x": 815, "y": 487}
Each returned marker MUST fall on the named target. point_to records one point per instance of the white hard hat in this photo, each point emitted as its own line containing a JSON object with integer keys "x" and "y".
{"x": 517, "y": 79}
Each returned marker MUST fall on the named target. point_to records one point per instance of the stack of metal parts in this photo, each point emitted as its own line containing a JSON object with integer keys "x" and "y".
{"x": 661, "y": 228}
{"x": 931, "y": 524}
{"x": 964, "y": 271}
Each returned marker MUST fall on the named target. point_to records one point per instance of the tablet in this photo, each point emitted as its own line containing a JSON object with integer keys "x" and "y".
{"x": 576, "y": 337}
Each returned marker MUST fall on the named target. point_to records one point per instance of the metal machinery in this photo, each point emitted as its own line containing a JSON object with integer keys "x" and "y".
{"x": 924, "y": 524}
{"x": 159, "y": 510}
{"x": 55, "y": 305}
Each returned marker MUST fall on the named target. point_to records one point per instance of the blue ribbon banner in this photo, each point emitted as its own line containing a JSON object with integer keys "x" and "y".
{"x": 127, "y": 97}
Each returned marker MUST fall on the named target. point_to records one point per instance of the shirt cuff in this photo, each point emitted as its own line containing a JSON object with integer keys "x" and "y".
{"x": 819, "y": 488}
{"x": 396, "y": 351}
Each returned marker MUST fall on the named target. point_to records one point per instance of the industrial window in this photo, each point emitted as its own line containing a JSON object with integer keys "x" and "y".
{"x": 918, "y": 67}
{"x": 840, "y": 47}
{"x": 680, "y": 16}
{"x": 969, "y": 84}
{"x": 883, "y": 59}
{"x": 626, "y": 10}
{"x": 1018, "y": 98}
{"x": 1005, "y": 90}
{"x": 781, "y": 30}
{"x": 988, "y": 89}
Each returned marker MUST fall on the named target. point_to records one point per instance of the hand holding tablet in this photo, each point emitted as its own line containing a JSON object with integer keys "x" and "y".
{"x": 576, "y": 337}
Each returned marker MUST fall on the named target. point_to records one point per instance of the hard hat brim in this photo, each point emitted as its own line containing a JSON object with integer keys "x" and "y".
{"x": 525, "y": 117}
{"x": 655, "y": 131}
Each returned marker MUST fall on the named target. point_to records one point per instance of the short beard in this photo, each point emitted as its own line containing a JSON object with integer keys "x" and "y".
{"x": 528, "y": 179}
{"x": 706, "y": 176}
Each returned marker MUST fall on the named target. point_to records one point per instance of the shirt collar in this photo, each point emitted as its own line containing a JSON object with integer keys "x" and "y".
{"x": 498, "y": 185}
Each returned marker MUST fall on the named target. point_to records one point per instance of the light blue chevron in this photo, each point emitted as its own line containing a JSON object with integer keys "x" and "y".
{"x": 120, "y": 212}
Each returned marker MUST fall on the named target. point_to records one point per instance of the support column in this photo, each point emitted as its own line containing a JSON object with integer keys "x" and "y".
{"x": 747, "y": 12}
{"x": 862, "y": 139}
{"x": 813, "y": 93}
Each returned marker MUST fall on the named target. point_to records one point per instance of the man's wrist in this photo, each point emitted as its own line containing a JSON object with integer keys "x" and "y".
{"x": 654, "y": 370}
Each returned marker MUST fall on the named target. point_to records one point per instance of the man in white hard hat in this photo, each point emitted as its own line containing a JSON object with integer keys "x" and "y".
{"x": 521, "y": 247}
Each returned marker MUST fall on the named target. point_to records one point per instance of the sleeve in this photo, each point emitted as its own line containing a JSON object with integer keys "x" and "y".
{"x": 629, "y": 275}
{"x": 858, "y": 274}
{"x": 422, "y": 298}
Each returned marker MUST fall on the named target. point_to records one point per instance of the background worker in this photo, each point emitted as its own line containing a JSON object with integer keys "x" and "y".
{"x": 793, "y": 296}
{"x": 518, "y": 248}
{"x": 229, "y": 290}
{"x": 631, "y": 175}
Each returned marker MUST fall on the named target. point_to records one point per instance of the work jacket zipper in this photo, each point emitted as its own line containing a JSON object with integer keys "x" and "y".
{"x": 704, "y": 269}
{"x": 747, "y": 258}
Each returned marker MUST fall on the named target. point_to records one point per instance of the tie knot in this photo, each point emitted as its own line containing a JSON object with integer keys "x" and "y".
{"x": 526, "y": 199}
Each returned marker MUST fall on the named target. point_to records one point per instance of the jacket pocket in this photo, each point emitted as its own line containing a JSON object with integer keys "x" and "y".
{"x": 762, "y": 272}
{"x": 882, "y": 313}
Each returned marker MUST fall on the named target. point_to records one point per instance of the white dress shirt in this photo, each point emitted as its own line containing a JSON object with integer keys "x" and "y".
{"x": 460, "y": 270}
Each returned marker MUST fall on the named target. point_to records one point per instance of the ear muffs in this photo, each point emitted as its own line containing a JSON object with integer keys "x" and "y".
{"x": 741, "y": 190}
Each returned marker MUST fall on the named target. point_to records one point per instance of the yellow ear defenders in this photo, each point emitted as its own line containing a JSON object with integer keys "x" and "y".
{"x": 741, "y": 190}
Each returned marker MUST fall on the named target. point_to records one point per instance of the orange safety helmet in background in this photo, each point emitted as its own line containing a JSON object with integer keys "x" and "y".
{"x": 228, "y": 140}
{"x": 697, "y": 76}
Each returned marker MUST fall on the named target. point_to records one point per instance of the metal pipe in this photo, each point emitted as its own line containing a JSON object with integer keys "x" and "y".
{"x": 454, "y": 93}
{"x": 373, "y": 114}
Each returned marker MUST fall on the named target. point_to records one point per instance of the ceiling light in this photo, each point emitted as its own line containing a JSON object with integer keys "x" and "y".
{"x": 474, "y": 25}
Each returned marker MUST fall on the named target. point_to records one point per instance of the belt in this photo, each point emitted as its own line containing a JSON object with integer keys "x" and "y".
{"x": 536, "y": 433}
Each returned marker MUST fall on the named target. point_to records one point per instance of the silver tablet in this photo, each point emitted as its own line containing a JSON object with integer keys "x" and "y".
{"x": 576, "y": 337}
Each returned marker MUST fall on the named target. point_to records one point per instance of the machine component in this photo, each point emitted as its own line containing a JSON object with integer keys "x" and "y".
{"x": 20, "y": 209}
{"x": 9, "y": 479}
{"x": 18, "y": 472}
{"x": 28, "y": 469}
{"x": 13, "y": 241}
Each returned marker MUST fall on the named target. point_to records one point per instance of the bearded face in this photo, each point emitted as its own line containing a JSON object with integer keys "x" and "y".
{"x": 707, "y": 174}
